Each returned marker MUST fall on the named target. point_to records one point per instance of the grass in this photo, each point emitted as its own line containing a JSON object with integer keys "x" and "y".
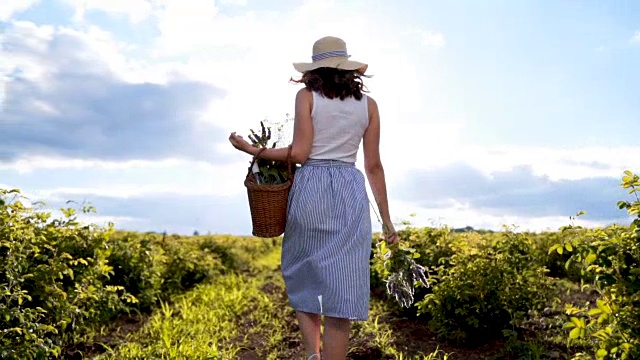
{"x": 201, "y": 324}
{"x": 246, "y": 316}
{"x": 215, "y": 320}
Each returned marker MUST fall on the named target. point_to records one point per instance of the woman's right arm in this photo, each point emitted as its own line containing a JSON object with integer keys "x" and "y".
{"x": 375, "y": 171}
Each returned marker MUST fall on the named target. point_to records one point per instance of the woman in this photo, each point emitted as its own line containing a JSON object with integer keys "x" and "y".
{"x": 327, "y": 240}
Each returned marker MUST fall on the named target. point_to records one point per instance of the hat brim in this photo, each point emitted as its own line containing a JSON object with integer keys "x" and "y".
{"x": 333, "y": 62}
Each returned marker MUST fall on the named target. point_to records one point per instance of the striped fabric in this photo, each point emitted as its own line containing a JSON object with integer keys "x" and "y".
{"x": 329, "y": 54}
{"x": 327, "y": 241}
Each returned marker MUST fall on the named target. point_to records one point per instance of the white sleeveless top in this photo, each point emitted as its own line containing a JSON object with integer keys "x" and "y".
{"x": 338, "y": 127}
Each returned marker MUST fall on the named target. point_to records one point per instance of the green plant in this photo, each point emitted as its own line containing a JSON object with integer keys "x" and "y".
{"x": 269, "y": 171}
{"x": 187, "y": 265}
{"x": 434, "y": 245}
{"x": 612, "y": 255}
{"x": 53, "y": 279}
{"x": 62, "y": 280}
{"x": 400, "y": 272}
{"x": 487, "y": 286}
{"x": 138, "y": 265}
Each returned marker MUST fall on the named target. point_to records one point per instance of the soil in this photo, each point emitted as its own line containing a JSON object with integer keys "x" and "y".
{"x": 255, "y": 341}
{"x": 411, "y": 337}
{"x": 115, "y": 335}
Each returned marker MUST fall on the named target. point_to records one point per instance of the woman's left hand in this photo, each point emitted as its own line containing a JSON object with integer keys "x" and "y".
{"x": 239, "y": 143}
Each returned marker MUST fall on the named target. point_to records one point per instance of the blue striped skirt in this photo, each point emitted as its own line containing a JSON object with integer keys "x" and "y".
{"x": 326, "y": 246}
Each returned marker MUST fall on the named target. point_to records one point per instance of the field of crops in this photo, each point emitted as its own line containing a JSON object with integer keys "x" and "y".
{"x": 72, "y": 290}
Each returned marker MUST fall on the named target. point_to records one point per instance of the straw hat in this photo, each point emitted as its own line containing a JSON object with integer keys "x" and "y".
{"x": 330, "y": 51}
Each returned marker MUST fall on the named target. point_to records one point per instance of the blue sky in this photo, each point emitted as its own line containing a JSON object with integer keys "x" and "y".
{"x": 494, "y": 112}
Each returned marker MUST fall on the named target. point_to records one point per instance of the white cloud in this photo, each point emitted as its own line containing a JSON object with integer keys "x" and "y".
{"x": 460, "y": 215}
{"x": 209, "y": 182}
{"x": 636, "y": 37}
{"x": 249, "y": 55}
{"x": 94, "y": 46}
{"x": 91, "y": 218}
{"x": 70, "y": 88}
{"x": 135, "y": 10}
{"x": 28, "y": 164}
{"x": 429, "y": 38}
{"x": 8, "y": 8}
{"x": 254, "y": 50}
{"x": 188, "y": 26}
{"x": 130, "y": 178}
{"x": 4, "y": 83}
{"x": 424, "y": 149}
{"x": 234, "y": 2}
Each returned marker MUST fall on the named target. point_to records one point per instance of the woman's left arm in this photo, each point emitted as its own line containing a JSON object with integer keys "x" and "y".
{"x": 302, "y": 134}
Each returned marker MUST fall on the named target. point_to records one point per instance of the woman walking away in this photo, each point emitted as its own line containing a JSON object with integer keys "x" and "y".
{"x": 327, "y": 240}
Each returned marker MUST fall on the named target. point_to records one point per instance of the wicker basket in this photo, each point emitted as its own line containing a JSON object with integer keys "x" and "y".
{"x": 268, "y": 203}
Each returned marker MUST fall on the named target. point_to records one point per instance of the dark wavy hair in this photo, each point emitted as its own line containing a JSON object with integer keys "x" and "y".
{"x": 334, "y": 83}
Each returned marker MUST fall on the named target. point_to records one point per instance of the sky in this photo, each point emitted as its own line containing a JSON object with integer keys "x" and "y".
{"x": 493, "y": 113}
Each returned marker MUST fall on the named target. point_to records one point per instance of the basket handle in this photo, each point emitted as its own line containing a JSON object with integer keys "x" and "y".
{"x": 255, "y": 158}
{"x": 289, "y": 173}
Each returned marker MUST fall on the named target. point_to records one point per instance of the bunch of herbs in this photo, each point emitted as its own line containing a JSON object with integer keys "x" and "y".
{"x": 269, "y": 172}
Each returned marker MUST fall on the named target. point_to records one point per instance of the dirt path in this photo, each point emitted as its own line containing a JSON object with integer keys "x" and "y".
{"x": 247, "y": 316}
{"x": 384, "y": 336}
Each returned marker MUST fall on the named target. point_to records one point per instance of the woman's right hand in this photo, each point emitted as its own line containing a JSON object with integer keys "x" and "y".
{"x": 390, "y": 234}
